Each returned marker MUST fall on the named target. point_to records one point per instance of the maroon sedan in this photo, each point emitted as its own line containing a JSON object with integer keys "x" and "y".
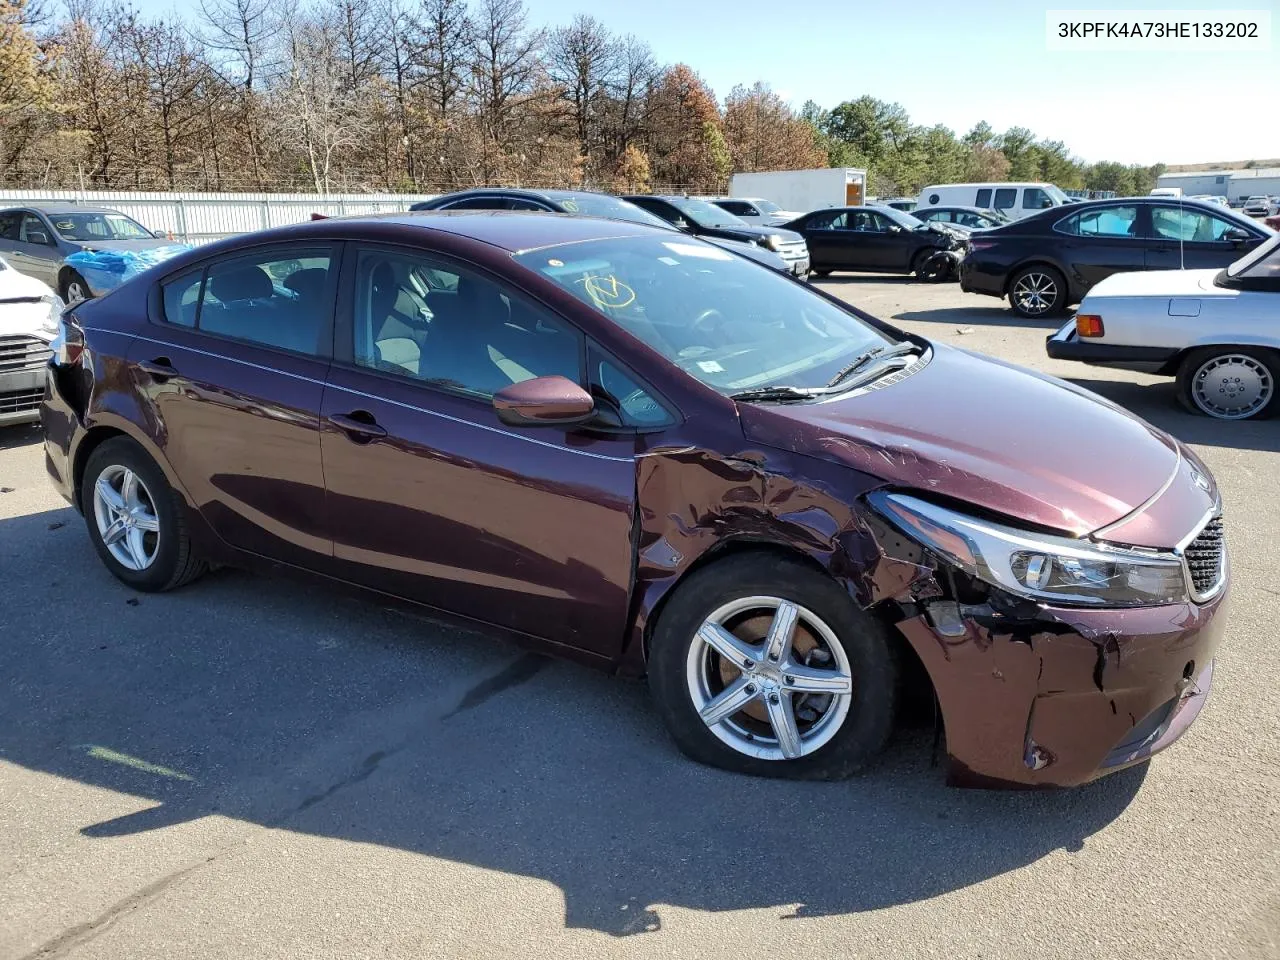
{"x": 645, "y": 453}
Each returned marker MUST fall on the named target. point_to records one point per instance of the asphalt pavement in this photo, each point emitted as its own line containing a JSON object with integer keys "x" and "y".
{"x": 259, "y": 768}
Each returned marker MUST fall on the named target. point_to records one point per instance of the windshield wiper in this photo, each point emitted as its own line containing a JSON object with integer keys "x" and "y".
{"x": 779, "y": 393}
{"x": 875, "y": 353}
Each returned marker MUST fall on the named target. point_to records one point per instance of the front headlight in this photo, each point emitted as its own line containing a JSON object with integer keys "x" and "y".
{"x": 1038, "y": 566}
{"x": 49, "y": 317}
{"x": 773, "y": 242}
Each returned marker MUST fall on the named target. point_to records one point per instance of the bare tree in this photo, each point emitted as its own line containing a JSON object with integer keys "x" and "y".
{"x": 504, "y": 66}
{"x": 583, "y": 59}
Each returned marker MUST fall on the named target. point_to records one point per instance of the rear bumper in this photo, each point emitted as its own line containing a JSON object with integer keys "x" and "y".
{"x": 1071, "y": 695}
{"x": 20, "y": 395}
{"x": 62, "y": 432}
{"x": 976, "y": 277}
{"x": 1065, "y": 344}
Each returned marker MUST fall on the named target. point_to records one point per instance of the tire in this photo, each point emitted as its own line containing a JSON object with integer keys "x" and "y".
{"x": 820, "y": 273}
{"x": 147, "y": 558}
{"x": 1230, "y": 383}
{"x": 75, "y": 287}
{"x": 835, "y": 735}
{"x": 919, "y": 260}
{"x": 1045, "y": 292}
{"x": 936, "y": 268}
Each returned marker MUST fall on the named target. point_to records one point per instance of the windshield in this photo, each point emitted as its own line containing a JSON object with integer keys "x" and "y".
{"x": 1260, "y": 264}
{"x": 706, "y": 214}
{"x": 726, "y": 321}
{"x": 612, "y": 208}
{"x": 901, "y": 217}
{"x": 766, "y": 206}
{"x": 99, "y": 226}
{"x": 1059, "y": 198}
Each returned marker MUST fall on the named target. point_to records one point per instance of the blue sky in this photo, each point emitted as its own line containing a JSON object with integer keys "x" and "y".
{"x": 957, "y": 62}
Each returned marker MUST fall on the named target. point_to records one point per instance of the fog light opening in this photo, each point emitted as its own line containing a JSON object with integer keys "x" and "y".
{"x": 1189, "y": 670}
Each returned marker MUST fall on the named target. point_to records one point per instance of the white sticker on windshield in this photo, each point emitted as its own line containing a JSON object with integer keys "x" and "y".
{"x": 703, "y": 250}
{"x": 710, "y": 366}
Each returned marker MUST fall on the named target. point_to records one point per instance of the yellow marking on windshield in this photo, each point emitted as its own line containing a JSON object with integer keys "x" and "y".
{"x": 609, "y": 293}
{"x": 115, "y": 756}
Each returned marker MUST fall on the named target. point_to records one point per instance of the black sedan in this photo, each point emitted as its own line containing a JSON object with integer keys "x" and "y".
{"x": 875, "y": 238}
{"x": 710, "y": 222}
{"x": 973, "y": 218}
{"x": 1045, "y": 262}
{"x": 585, "y": 203}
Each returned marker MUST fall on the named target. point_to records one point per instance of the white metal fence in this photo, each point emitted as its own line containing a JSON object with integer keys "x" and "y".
{"x": 202, "y": 217}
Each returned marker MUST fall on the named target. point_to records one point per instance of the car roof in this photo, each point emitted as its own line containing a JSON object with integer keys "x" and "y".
{"x": 516, "y": 231}
{"x": 524, "y": 192}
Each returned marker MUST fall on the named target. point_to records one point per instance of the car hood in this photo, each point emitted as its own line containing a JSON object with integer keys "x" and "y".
{"x": 987, "y": 433}
{"x": 750, "y": 230}
{"x": 1156, "y": 283}
{"x": 14, "y": 284}
{"x": 749, "y": 250}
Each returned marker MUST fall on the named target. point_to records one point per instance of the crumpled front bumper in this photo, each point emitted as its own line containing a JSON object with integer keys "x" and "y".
{"x": 1070, "y": 695}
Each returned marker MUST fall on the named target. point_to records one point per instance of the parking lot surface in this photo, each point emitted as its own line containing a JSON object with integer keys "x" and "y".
{"x": 262, "y": 768}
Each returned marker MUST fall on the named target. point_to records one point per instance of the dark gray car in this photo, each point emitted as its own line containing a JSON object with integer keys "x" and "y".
{"x": 36, "y": 240}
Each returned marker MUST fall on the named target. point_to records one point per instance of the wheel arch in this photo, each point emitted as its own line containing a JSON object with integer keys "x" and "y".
{"x": 1174, "y": 363}
{"x": 1038, "y": 262}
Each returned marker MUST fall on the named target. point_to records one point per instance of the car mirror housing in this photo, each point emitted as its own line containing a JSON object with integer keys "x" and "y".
{"x": 38, "y": 236}
{"x": 1236, "y": 236}
{"x": 543, "y": 402}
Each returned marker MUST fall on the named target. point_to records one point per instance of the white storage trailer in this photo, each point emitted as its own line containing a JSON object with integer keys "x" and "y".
{"x": 803, "y": 190}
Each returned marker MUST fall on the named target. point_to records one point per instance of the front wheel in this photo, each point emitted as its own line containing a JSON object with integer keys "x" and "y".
{"x": 820, "y": 274}
{"x": 765, "y": 666}
{"x": 1037, "y": 291}
{"x": 1230, "y": 383}
{"x": 75, "y": 288}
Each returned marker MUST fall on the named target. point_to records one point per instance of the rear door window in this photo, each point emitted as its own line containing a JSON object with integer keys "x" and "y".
{"x": 1120, "y": 221}
{"x": 1006, "y": 198}
{"x": 9, "y": 225}
{"x": 281, "y": 298}
{"x": 830, "y": 220}
{"x": 738, "y": 208}
{"x": 984, "y": 198}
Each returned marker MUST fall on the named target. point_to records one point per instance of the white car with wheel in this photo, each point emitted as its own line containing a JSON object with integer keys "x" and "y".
{"x": 1217, "y": 331}
{"x": 29, "y": 312}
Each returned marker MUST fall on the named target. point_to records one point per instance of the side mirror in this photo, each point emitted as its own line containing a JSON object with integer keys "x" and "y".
{"x": 894, "y": 228}
{"x": 543, "y": 402}
{"x": 681, "y": 223}
{"x": 1236, "y": 236}
{"x": 38, "y": 236}
{"x": 160, "y": 234}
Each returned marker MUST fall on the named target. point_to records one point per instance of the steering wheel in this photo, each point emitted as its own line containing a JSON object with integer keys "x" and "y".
{"x": 703, "y": 321}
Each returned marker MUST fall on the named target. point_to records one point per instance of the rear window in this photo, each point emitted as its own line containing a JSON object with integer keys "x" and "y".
{"x": 1006, "y": 198}
{"x": 984, "y": 198}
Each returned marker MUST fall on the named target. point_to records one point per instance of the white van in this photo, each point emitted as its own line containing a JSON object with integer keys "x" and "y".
{"x": 1015, "y": 200}
{"x": 1166, "y": 192}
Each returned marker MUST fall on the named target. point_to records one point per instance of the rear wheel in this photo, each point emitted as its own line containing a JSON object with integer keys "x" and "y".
{"x": 135, "y": 519}
{"x": 1037, "y": 291}
{"x": 764, "y": 666}
{"x": 1230, "y": 383}
{"x": 820, "y": 273}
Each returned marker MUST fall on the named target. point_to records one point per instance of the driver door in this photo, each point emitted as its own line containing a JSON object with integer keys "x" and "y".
{"x": 35, "y": 253}
{"x": 430, "y": 496}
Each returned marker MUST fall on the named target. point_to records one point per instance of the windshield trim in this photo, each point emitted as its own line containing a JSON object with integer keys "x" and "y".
{"x": 1238, "y": 270}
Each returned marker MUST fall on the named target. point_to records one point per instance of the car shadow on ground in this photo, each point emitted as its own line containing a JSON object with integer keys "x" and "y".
{"x": 306, "y": 710}
{"x": 1157, "y": 403}
{"x": 985, "y": 316}
{"x": 853, "y": 279}
{"x": 21, "y": 435}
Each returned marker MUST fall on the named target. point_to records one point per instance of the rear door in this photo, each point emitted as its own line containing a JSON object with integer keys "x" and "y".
{"x": 1192, "y": 238}
{"x": 430, "y": 496}
{"x": 823, "y": 233}
{"x": 234, "y": 367}
{"x": 1104, "y": 240}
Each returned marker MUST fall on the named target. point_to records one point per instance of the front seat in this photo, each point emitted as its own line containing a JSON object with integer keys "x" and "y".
{"x": 461, "y": 334}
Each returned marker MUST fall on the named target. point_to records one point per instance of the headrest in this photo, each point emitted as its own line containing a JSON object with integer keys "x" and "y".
{"x": 249, "y": 282}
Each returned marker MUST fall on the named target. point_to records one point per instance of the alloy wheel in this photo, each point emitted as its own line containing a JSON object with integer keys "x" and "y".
{"x": 1232, "y": 386}
{"x": 769, "y": 678}
{"x": 126, "y": 517}
{"x": 1035, "y": 292}
{"x": 76, "y": 292}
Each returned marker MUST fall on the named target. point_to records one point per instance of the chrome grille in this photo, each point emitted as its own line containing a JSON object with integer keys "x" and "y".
{"x": 23, "y": 353}
{"x": 18, "y": 401}
{"x": 1204, "y": 559}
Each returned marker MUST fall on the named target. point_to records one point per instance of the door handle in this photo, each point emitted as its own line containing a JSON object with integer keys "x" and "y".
{"x": 158, "y": 369}
{"x": 359, "y": 426}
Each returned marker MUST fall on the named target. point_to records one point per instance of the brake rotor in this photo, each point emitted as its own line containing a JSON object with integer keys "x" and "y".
{"x": 753, "y": 629}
